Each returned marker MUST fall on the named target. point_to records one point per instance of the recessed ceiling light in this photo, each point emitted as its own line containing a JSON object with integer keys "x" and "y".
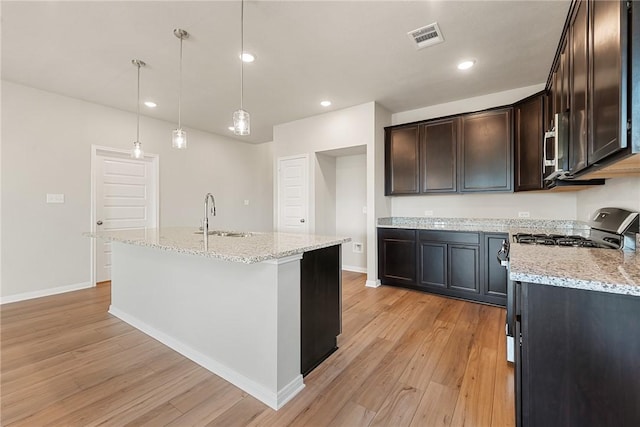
{"x": 465, "y": 65}
{"x": 150, "y": 104}
{"x": 247, "y": 57}
{"x": 231, "y": 128}
{"x": 325, "y": 103}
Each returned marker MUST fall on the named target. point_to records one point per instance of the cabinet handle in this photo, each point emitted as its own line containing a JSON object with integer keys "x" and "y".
{"x": 99, "y": 222}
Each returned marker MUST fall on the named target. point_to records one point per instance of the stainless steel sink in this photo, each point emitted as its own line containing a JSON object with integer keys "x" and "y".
{"x": 225, "y": 233}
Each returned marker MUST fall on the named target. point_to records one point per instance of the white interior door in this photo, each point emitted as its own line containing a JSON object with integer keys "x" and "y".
{"x": 293, "y": 189}
{"x": 125, "y": 199}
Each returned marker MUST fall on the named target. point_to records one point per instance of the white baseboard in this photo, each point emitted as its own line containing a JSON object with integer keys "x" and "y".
{"x": 289, "y": 391}
{"x": 373, "y": 283}
{"x": 45, "y": 292}
{"x": 268, "y": 397}
{"x": 354, "y": 268}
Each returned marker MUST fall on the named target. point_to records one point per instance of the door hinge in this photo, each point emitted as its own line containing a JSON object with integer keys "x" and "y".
{"x": 628, "y": 124}
{"x": 628, "y": 5}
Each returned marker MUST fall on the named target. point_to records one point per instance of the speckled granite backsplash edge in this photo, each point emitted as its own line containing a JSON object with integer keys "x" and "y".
{"x": 419, "y": 222}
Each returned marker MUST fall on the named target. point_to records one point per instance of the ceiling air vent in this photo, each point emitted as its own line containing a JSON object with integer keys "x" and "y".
{"x": 426, "y": 36}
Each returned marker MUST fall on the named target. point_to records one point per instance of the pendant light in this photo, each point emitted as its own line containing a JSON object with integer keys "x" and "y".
{"x": 241, "y": 119}
{"x": 179, "y": 137}
{"x": 137, "y": 152}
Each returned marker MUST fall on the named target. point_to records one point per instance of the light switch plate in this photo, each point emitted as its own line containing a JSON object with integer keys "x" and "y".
{"x": 55, "y": 198}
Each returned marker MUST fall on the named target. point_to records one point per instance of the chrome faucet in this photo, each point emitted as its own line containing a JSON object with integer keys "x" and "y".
{"x": 205, "y": 222}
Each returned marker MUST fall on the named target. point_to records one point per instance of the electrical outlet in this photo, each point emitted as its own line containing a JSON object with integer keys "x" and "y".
{"x": 523, "y": 215}
{"x": 246, "y": 202}
{"x": 357, "y": 247}
{"x": 55, "y": 198}
{"x": 428, "y": 213}
{"x": 364, "y": 210}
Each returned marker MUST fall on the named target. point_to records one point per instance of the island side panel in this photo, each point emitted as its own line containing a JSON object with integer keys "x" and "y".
{"x": 223, "y": 315}
{"x": 321, "y": 298}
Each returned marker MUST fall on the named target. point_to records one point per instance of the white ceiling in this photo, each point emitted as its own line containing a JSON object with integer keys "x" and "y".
{"x": 347, "y": 52}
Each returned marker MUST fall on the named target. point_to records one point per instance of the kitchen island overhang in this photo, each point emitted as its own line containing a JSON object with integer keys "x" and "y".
{"x": 239, "y": 317}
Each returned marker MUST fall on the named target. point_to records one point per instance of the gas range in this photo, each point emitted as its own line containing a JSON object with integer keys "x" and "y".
{"x": 561, "y": 240}
{"x": 610, "y": 228}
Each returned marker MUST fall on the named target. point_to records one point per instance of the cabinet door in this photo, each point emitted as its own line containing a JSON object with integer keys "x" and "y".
{"x": 495, "y": 278}
{"x": 397, "y": 258}
{"x": 402, "y": 161}
{"x": 578, "y": 116}
{"x": 439, "y": 147}
{"x": 486, "y": 151}
{"x": 579, "y": 363}
{"x": 566, "y": 72}
{"x": 320, "y": 311}
{"x": 464, "y": 271}
{"x": 608, "y": 59}
{"x": 529, "y": 125}
{"x": 433, "y": 264}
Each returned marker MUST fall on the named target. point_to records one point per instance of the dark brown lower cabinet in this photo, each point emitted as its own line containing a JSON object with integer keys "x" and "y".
{"x": 320, "y": 305}
{"x": 494, "y": 285}
{"x": 397, "y": 257}
{"x": 579, "y": 360}
{"x": 450, "y": 263}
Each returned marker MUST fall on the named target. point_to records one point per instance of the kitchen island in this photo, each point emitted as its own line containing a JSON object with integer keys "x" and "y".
{"x": 234, "y": 308}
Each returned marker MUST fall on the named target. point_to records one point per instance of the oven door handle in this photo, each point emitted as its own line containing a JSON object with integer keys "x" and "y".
{"x": 503, "y": 254}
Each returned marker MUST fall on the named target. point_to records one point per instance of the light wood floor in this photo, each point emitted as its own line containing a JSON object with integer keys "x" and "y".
{"x": 405, "y": 358}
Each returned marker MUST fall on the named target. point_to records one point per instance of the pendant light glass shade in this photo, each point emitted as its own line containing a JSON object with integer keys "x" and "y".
{"x": 241, "y": 119}
{"x": 179, "y": 136}
{"x": 241, "y": 122}
{"x": 179, "y": 139}
{"x": 137, "y": 152}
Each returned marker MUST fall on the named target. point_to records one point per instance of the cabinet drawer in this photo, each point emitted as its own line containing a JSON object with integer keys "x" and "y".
{"x": 450, "y": 236}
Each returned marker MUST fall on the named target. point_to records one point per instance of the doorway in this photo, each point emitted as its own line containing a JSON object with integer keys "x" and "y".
{"x": 293, "y": 194}
{"x": 341, "y": 201}
{"x": 124, "y": 196}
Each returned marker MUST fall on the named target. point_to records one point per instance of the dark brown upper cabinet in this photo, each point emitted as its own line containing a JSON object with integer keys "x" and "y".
{"x": 485, "y": 151}
{"x": 608, "y": 78}
{"x": 578, "y": 36}
{"x": 439, "y": 143}
{"x": 600, "y": 54}
{"x": 402, "y": 157}
{"x": 559, "y": 88}
{"x": 529, "y": 132}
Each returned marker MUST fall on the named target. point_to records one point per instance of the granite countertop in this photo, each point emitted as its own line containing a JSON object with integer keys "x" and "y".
{"x": 255, "y": 248}
{"x": 487, "y": 225}
{"x": 604, "y": 270}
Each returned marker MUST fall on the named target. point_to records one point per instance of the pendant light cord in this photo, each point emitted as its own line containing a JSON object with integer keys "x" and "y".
{"x": 241, "y": 51}
{"x": 138, "y": 105}
{"x": 180, "y": 88}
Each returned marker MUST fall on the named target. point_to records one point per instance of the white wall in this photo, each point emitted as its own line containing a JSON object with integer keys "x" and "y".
{"x": 468, "y": 105}
{"x": 350, "y": 127}
{"x": 351, "y": 198}
{"x": 325, "y": 194}
{"x": 485, "y": 205}
{"x": 617, "y": 193}
{"x": 47, "y": 149}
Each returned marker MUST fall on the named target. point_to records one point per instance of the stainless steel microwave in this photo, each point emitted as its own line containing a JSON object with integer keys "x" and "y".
{"x": 556, "y": 148}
